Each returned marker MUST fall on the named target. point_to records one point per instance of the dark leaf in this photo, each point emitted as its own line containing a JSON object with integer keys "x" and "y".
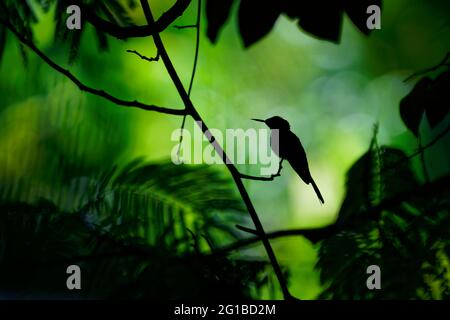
{"x": 321, "y": 19}
{"x": 412, "y": 107}
{"x": 45, "y": 4}
{"x": 396, "y": 173}
{"x": 379, "y": 174}
{"x": 61, "y": 31}
{"x": 142, "y": 201}
{"x": 359, "y": 186}
{"x": 102, "y": 40}
{"x": 292, "y": 9}
{"x": 3, "y": 36}
{"x": 256, "y": 19}
{"x": 23, "y": 54}
{"x": 217, "y": 13}
{"x": 75, "y": 43}
{"x": 115, "y": 12}
{"x": 49, "y": 240}
{"x": 357, "y": 12}
{"x": 438, "y": 104}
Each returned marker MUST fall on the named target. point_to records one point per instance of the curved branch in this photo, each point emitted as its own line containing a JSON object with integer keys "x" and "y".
{"x": 248, "y": 230}
{"x": 82, "y": 86}
{"x": 248, "y": 177}
{"x": 314, "y": 235}
{"x": 418, "y": 152}
{"x": 125, "y": 32}
{"x": 443, "y": 63}
{"x": 318, "y": 234}
{"x": 218, "y": 148}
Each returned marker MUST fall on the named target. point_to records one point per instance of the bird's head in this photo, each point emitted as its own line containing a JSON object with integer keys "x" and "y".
{"x": 275, "y": 123}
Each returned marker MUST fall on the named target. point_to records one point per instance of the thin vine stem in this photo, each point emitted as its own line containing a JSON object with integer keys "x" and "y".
{"x": 218, "y": 148}
{"x": 194, "y": 69}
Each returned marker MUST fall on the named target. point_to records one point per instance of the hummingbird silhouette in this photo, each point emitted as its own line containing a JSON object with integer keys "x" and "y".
{"x": 287, "y": 146}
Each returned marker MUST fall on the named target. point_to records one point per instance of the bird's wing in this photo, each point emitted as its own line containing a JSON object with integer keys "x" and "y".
{"x": 296, "y": 155}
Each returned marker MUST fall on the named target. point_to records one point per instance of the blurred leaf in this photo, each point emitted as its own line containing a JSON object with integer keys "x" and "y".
{"x": 359, "y": 186}
{"x": 3, "y": 37}
{"x": 102, "y": 40}
{"x": 39, "y": 241}
{"x": 131, "y": 238}
{"x": 379, "y": 174}
{"x": 403, "y": 236}
{"x": 45, "y": 4}
{"x": 396, "y": 174}
{"x": 75, "y": 41}
{"x": 148, "y": 198}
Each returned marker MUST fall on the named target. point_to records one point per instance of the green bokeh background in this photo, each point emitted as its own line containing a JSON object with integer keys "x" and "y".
{"x": 331, "y": 94}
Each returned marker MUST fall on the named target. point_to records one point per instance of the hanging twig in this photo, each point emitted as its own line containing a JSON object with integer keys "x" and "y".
{"x": 194, "y": 69}
{"x": 421, "y": 73}
{"x": 156, "y": 58}
{"x": 418, "y": 152}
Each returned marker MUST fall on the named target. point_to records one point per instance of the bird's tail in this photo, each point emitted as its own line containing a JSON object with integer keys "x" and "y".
{"x": 316, "y": 189}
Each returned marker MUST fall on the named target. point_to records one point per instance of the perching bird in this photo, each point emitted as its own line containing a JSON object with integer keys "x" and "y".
{"x": 287, "y": 145}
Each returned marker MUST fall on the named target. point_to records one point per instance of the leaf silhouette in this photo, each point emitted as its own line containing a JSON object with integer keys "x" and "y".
{"x": 407, "y": 240}
{"x": 130, "y": 234}
{"x": 22, "y": 15}
{"x": 438, "y": 105}
{"x": 357, "y": 12}
{"x": 217, "y": 13}
{"x": 322, "y": 20}
{"x": 378, "y": 174}
{"x": 428, "y": 96}
{"x": 146, "y": 199}
{"x": 39, "y": 241}
{"x": 256, "y": 19}
{"x": 412, "y": 107}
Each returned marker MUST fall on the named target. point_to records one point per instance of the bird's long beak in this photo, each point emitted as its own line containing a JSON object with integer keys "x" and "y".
{"x": 259, "y": 120}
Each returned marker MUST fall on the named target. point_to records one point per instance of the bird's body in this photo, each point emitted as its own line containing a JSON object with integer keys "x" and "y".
{"x": 287, "y": 146}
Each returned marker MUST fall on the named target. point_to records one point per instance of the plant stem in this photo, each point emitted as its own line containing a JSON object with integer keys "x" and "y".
{"x": 232, "y": 169}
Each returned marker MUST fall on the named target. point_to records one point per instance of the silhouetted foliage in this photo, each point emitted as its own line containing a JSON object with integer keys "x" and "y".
{"x": 429, "y": 97}
{"x": 22, "y": 14}
{"x": 132, "y": 239}
{"x": 322, "y": 19}
{"x": 217, "y": 13}
{"x": 408, "y": 239}
{"x": 150, "y": 230}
